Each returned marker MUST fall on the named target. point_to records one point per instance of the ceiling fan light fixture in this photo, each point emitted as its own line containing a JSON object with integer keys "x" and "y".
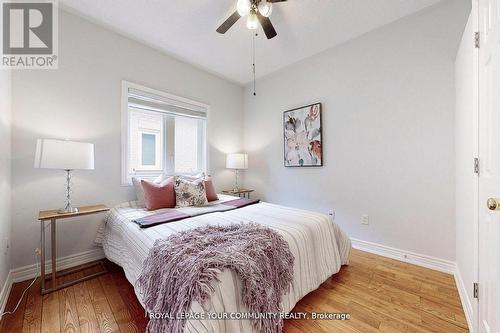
{"x": 243, "y": 7}
{"x": 252, "y": 21}
{"x": 254, "y": 10}
{"x": 265, "y": 8}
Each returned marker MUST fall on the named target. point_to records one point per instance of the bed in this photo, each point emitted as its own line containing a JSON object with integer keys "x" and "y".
{"x": 319, "y": 246}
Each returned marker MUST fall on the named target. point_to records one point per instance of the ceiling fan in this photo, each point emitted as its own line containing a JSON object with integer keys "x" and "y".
{"x": 257, "y": 11}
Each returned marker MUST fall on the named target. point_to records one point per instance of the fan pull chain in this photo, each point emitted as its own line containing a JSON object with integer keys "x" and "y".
{"x": 253, "y": 65}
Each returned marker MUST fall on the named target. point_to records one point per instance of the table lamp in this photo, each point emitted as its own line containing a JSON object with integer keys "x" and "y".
{"x": 237, "y": 162}
{"x": 67, "y": 156}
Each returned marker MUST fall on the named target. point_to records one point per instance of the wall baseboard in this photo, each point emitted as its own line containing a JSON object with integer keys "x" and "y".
{"x": 465, "y": 300}
{"x": 423, "y": 260}
{"x": 426, "y": 261}
{"x": 5, "y": 292}
{"x": 30, "y": 271}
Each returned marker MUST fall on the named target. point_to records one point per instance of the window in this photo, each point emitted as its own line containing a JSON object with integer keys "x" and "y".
{"x": 145, "y": 140}
{"x": 161, "y": 133}
{"x": 189, "y": 141}
{"x": 149, "y": 143}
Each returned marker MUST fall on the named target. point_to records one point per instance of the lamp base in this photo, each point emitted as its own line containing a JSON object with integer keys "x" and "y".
{"x": 236, "y": 187}
{"x": 67, "y": 210}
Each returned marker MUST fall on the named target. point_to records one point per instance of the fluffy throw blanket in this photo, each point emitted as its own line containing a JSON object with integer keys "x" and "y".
{"x": 181, "y": 269}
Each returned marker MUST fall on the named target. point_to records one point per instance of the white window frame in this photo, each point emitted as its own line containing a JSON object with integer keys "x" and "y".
{"x": 126, "y": 179}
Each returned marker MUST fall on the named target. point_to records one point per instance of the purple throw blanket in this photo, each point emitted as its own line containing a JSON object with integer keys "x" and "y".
{"x": 181, "y": 269}
{"x": 173, "y": 215}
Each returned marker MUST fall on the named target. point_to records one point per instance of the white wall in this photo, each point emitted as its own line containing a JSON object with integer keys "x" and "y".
{"x": 5, "y": 173}
{"x": 81, "y": 101}
{"x": 466, "y": 148}
{"x": 388, "y": 132}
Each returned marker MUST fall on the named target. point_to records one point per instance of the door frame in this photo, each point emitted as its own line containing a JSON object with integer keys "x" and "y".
{"x": 475, "y": 237}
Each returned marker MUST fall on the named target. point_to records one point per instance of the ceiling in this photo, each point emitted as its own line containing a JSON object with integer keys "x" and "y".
{"x": 185, "y": 29}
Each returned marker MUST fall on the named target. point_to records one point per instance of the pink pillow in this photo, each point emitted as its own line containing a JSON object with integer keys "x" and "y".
{"x": 159, "y": 195}
{"x": 210, "y": 190}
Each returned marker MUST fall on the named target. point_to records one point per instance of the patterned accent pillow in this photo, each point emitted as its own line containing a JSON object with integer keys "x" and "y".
{"x": 190, "y": 193}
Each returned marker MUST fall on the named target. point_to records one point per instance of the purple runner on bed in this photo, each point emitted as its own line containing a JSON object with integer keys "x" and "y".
{"x": 241, "y": 202}
{"x": 173, "y": 215}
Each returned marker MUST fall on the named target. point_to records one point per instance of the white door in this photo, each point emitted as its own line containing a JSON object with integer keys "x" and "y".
{"x": 489, "y": 154}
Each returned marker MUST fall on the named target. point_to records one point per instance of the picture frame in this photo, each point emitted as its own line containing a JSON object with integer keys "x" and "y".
{"x": 303, "y": 137}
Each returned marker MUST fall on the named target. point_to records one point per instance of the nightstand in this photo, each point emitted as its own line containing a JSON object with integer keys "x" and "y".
{"x": 53, "y": 216}
{"x": 245, "y": 193}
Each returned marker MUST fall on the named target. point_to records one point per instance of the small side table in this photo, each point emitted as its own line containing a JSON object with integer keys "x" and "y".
{"x": 53, "y": 216}
{"x": 245, "y": 193}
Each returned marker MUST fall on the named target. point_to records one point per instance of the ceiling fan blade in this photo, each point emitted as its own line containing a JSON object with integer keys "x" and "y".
{"x": 267, "y": 26}
{"x": 228, "y": 23}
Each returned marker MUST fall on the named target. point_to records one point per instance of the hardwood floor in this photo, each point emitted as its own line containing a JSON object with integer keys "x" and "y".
{"x": 380, "y": 294}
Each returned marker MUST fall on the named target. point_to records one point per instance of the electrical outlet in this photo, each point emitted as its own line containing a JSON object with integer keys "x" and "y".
{"x": 331, "y": 213}
{"x": 7, "y": 246}
{"x": 365, "y": 219}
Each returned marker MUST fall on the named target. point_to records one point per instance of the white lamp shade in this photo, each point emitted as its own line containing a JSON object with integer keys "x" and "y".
{"x": 252, "y": 21}
{"x": 237, "y": 161}
{"x": 265, "y": 8}
{"x": 64, "y": 155}
{"x": 243, "y": 7}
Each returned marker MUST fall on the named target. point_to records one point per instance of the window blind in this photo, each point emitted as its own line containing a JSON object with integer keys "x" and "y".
{"x": 146, "y": 101}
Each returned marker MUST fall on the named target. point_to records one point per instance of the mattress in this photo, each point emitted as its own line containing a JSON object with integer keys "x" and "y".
{"x": 318, "y": 244}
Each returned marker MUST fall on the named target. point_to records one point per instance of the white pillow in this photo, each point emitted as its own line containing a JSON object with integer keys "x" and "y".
{"x": 161, "y": 178}
{"x": 139, "y": 191}
{"x": 190, "y": 177}
{"x": 190, "y": 193}
{"x": 193, "y": 177}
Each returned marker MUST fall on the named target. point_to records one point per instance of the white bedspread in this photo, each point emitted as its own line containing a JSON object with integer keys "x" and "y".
{"x": 319, "y": 246}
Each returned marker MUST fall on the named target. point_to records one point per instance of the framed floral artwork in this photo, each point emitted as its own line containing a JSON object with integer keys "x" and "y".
{"x": 302, "y": 136}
